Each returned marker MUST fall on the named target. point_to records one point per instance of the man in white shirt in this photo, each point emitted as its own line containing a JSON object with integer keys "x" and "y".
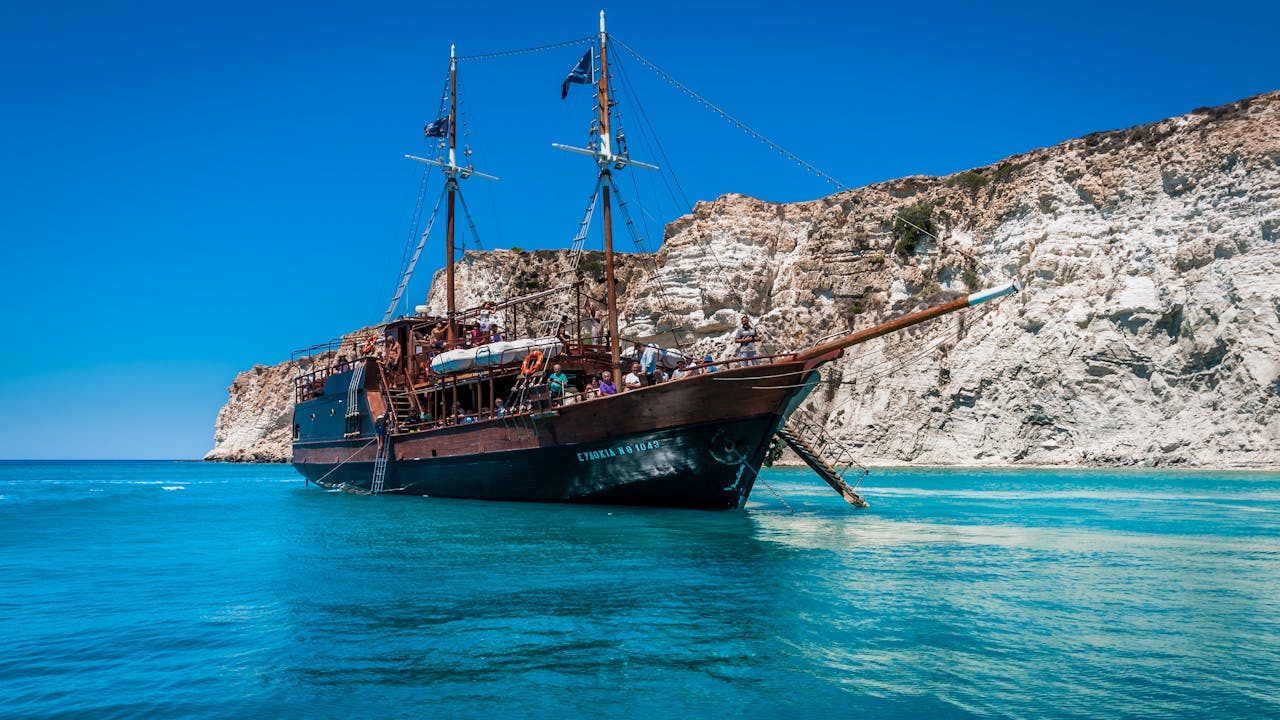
{"x": 681, "y": 370}
{"x": 632, "y": 381}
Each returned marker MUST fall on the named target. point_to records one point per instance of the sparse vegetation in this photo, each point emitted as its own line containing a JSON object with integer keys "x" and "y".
{"x": 970, "y": 277}
{"x": 517, "y": 248}
{"x": 1005, "y": 170}
{"x": 969, "y": 180}
{"x": 912, "y": 223}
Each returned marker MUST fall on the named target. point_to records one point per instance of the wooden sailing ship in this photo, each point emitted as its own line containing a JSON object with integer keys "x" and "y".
{"x": 453, "y": 410}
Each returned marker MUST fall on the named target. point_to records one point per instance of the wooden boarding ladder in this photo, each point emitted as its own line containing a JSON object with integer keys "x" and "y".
{"x": 828, "y": 457}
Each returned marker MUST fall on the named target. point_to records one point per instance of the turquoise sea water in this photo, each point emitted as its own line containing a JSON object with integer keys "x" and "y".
{"x": 166, "y": 590}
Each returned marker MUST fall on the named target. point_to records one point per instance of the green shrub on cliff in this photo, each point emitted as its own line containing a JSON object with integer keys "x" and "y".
{"x": 911, "y": 224}
{"x": 969, "y": 180}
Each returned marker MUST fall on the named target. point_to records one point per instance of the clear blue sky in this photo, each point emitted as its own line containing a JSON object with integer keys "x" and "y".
{"x": 187, "y": 189}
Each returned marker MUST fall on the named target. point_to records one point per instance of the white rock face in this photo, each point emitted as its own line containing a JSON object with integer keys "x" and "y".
{"x": 1148, "y": 332}
{"x": 254, "y": 425}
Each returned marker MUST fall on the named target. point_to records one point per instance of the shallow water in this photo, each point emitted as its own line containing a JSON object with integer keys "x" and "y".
{"x": 198, "y": 590}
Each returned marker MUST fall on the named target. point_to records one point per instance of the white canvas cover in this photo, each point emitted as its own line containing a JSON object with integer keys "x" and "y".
{"x": 493, "y": 354}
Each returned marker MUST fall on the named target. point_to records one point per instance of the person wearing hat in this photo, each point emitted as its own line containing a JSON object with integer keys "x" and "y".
{"x": 681, "y": 370}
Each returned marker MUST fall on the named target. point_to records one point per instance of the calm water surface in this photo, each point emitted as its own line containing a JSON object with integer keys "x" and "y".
{"x": 168, "y": 590}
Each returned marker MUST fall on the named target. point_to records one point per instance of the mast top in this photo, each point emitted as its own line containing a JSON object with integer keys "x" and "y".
{"x": 601, "y": 22}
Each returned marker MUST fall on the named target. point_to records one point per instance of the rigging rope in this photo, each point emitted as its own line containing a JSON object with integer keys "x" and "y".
{"x": 648, "y": 130}
{"x": 647, "y": 134}
{"x": 731, "y": 119}
{"x": 527, "y": 51}
{"x": 408, "y": 272}
{"x": 641, "y": 243}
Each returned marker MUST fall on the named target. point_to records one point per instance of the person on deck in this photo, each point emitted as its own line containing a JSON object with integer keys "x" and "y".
{"x": 499, "y": 408}
{"x": 709, "y": 368}
{"x": 633, "y": 380}
{"x": 438, "y": 336}
{"x": 606, "y": 384}
{"x": 597, "y": 327}
{"x": 557, "y": 381}
{"x": 393, "y": 353}
{"x": 681, "y": 370}
{"x": 461, "y": 416}
{"x": 649, "y": 362}
{"x": 746, "y": 337}
{"x": 562, "y": 332}
{"x": 485, "y": 323}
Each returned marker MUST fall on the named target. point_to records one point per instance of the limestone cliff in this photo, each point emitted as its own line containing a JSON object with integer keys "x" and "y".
{"x": 1148, "y": 331}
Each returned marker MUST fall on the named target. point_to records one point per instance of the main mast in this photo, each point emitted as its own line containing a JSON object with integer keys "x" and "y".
{"x": 606, "y": 161}
{"x": 606, "y": 178}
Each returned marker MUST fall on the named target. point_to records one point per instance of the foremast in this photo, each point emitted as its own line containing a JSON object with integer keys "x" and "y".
{"x": 453, "y": 173}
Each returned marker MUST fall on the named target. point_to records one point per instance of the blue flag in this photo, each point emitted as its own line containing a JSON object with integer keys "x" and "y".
{"x": 438, "y": 128}
{"x": 582, "y": 73}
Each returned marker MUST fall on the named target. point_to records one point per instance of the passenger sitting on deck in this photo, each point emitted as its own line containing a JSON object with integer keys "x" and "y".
{"x": 557, "y": 381}
{"x": 681, "y": 371}
{"x": 496, "y": 335}
{"x": 707, "y": 359}
{"x": 499, "y": 408}
{"x": 606, "y": 384}
{"x": 562, "y": 332}
{"x": 593, "y": 389}
{"x": 633, "y": 379}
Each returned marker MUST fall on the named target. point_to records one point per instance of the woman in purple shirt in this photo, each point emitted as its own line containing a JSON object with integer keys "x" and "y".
{"x": 606, "y": 384}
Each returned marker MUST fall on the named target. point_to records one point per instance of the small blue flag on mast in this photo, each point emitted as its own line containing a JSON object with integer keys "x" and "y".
{"x": 582, "y": 73}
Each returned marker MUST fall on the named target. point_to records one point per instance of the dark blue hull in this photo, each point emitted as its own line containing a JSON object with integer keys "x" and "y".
{"x": 709, "y": 466}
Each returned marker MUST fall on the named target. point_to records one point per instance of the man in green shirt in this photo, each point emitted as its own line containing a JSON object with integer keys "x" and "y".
{"x": 557, "y": 381}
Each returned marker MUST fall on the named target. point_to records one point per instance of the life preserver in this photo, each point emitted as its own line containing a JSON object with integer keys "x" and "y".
{"x": 529, "y": 368}
{"x": 369, "y": 345}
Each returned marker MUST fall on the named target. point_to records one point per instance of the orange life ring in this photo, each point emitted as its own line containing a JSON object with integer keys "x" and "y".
{"x": 530, "y": 368}
{"x": 369, "y": 345}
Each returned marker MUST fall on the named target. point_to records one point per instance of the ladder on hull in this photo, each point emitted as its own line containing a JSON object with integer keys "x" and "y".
{"x": 825, "y": 455}
{"x": 380, "y": 467}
